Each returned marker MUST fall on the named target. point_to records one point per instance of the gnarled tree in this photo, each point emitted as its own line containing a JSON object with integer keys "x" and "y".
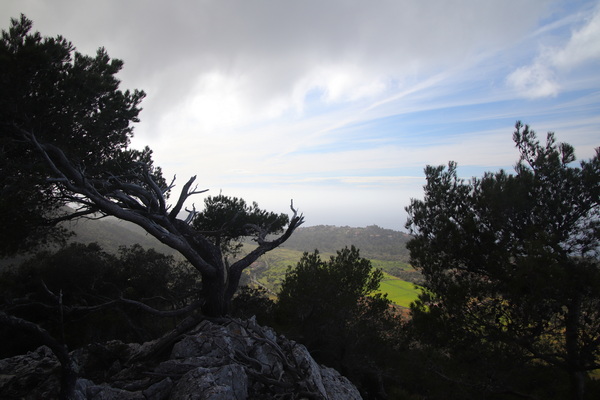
{"x": 66, "y": 128}
{"x": 137, "y": 198}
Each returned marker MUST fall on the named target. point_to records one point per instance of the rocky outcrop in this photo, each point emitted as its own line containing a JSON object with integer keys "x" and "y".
{"x": 231, "y": 359}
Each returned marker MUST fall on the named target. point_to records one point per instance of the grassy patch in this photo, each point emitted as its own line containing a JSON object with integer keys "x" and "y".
{"x": 399, "y": 292}
{"x": 270, "y": 270}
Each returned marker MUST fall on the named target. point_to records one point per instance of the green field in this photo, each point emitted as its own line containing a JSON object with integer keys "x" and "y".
{"x": 270, "y": 270}
{"x": 399, "y": 292}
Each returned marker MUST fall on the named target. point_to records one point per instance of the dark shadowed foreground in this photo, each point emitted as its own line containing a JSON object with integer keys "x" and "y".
{"x": 229, "y": 359}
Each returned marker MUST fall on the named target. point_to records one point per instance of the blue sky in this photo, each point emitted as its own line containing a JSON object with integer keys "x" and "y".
{"x": 336, "y": 104}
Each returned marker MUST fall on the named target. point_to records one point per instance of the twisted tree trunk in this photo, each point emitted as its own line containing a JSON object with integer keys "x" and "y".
{"x": 137, "y": 198}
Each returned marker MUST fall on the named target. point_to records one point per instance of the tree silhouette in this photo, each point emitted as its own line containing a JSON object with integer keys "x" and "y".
{"x": 332, "y": 307}
{"x": 514, "y": 259}
{"x": 70, "y": 100}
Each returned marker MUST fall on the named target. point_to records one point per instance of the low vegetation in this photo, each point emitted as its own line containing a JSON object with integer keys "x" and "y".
{"x": 400, "y": 277}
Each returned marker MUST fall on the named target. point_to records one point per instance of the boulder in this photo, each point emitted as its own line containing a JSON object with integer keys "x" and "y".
{"x": 35, "y": 375}
{"x": 225, "y": 360}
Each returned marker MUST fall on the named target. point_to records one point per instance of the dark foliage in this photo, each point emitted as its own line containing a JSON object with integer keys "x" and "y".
{"x": 75, "y": 294}
{"x": 511, "y": 265}
{"x": 69, "y": 100}
{"x": 330, "y": 306}
{"x": 253, "y": 302}
{"x": 227, "y": 220}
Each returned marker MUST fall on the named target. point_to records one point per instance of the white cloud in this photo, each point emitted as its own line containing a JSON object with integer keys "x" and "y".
{"x": 335, "y": 102}
{"x": 543, "y": 76}
{"x": 583, "y": 46}
{"x": 536, "y": 80}
{"x": 283, "y": 49}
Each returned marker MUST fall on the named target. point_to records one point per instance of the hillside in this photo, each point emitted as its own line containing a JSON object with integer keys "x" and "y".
{"x": 384, "y": 247}
{"x": 111, "y": 233}
{"x": 374, "y": 242}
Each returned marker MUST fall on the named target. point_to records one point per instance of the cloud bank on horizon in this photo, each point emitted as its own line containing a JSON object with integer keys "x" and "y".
{"x": 341, "y": 104}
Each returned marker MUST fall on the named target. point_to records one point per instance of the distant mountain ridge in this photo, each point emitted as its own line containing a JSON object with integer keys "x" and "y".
{"x": 373, "y": 241}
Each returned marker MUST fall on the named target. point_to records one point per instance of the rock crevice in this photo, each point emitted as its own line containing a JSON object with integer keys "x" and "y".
{"x": 230, "y": 359}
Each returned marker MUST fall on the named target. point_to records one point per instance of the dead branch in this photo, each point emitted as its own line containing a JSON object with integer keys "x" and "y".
{"x": 156, "y": 347}
{"x": 183, "y": 196}
{"x": 137, "y": 198}
{"x": 163, "y": 313}
{"x": 191, "y": 214}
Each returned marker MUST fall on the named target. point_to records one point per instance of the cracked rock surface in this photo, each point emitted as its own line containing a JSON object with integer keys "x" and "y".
{"x": 231, "y": 359}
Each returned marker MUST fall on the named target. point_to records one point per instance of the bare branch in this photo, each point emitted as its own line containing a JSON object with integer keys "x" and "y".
{"x": 182, "y": 198}
{"x": 49, "y": 292}
{"x": 292, "y": 208}
{"x": 127, "y": 201}
{"x": 159, "y": 194}
{"x": 162, "y": 313}
{"x": 235, "y": 271}
{"x": 136, "y": 190}
{"x": 185, "y": 193}
{"x": 191, "y": 214}
{"x": 75, "y": 215}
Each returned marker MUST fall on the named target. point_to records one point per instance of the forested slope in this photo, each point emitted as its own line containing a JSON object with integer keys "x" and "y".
{"x": 384, "y": 247}
{"x": 374, "y": 242}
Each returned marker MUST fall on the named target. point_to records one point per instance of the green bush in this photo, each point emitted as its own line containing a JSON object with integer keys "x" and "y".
{"x": 74, "y": 292}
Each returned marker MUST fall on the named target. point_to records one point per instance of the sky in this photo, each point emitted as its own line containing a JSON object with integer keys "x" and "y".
{"x": 340, "y": 104}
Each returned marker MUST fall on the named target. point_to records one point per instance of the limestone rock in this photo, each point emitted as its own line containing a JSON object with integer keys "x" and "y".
{"x": 35, "y": 375}
{"x": 222, "y": 383}
{"x": 338, "y": 387}
{"x": 229, "y": 360}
